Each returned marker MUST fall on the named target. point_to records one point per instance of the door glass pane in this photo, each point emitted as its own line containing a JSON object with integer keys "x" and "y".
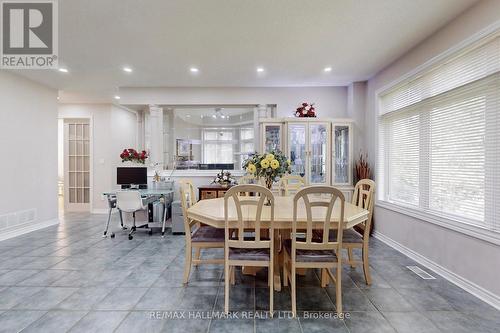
{"x": 72, "y": 179}
{"x": 86, "y": 165}
{"x": 272, "y": 138}
{"x": 86, "y": 179}
{"x": 86, "y": 132}
{"x": 72, "y": 131}
{"x": 79, "y": 179}
{"x": 79, "y": 131}
{"x": 297, "y": 139}
{"x": 318, "y": 141}
{"x": 72, "y": 148}
{"x": 72, "y": 195}
{"x": 79, "y": 147}
{"x": 72, "y": 163}
{"x": 341, "y": 161}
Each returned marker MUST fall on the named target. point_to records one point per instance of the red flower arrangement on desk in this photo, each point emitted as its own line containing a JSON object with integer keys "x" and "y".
{"x": 133, "y": 156}
{"x": 306, "y": 110}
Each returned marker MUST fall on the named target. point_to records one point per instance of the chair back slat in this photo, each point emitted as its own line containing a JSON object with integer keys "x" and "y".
{"x": 243, "y": 204}
{"x": 291, "y": 184}
{"x": 188, "y": 199}
{"x": 364, "y": 194}
{"x": 318, "y": 197}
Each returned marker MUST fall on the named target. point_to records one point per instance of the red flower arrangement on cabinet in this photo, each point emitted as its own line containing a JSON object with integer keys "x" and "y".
{"x": 133, "y": 156}
{"x": 306, "y": 110}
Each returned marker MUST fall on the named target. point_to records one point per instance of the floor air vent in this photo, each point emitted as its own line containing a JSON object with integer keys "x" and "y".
{"x": 420, "y": 272}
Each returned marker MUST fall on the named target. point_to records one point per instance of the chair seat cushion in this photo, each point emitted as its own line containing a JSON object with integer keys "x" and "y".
{"x": 349, "y": 236}
{"x": 249, "y": 254}
{"x": 310, "y": 255}
{"x": 207, "y": 233}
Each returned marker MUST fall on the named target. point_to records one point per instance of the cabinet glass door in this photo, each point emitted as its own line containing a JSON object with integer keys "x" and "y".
{"x": 297, "y": 148}
{"x": 318, "y": 167}
{"x": 341, "y": 158}
{"x": 272, "y": 137}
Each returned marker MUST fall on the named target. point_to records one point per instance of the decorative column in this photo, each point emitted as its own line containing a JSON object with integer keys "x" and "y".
{"x": 156, "y": 135}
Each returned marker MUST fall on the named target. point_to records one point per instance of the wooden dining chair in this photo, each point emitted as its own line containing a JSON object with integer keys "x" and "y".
{"x": 359, "y": 236}
{"x": 241, "y": 250}
{"x": 198, "y": 236}
{"x": 291, "y": 184}
{"x": 309, "y": 251}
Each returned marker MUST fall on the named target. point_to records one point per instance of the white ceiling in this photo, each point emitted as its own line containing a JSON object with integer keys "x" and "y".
{"x": 228, "y": 39}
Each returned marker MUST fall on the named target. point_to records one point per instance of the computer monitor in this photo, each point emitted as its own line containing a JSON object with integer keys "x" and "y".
{"x": 132, "y": 176}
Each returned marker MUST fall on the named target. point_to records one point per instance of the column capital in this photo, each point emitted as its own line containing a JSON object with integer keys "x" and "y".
{"x": 155, "y": 110}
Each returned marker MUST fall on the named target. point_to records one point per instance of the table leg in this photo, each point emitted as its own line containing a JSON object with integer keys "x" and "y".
{"x": 278, "y": 261}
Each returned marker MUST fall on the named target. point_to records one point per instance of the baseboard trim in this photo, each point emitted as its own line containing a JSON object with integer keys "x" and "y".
{"x": 469, "y": 286}
{"x": 25, "y": 228}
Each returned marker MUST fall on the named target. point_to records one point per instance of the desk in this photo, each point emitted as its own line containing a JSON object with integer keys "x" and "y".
{"x": 211, "y": 212}
{"x": 156, "y": 194}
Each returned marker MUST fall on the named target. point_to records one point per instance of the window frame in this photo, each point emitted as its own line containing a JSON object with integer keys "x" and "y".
{"x": 455, "y": 223}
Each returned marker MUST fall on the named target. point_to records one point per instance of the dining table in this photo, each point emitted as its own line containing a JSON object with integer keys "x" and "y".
{"x": 211, "y": 212}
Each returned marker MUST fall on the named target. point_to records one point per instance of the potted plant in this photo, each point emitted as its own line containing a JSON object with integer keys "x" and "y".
{"x": 224, "y": 179}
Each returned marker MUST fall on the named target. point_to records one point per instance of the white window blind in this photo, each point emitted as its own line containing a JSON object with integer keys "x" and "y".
{"x": 439, "y": 138}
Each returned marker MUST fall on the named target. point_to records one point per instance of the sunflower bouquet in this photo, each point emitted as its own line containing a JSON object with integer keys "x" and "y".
{"x": 269, "y": 166}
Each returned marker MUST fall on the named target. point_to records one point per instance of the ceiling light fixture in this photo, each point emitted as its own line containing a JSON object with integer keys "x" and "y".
{"x": 127, "y": 69}
{"x": 117, "y": 97}
{"x": 260, "y": 70}
{"x": 327, "y": 69}
{"x": 63, "y": 70}
{"x": 194, "y": 70}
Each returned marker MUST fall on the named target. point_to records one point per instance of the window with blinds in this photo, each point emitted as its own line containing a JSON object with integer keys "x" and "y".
{"x": 218, "y": 146}
{"x": 439, "y": 138}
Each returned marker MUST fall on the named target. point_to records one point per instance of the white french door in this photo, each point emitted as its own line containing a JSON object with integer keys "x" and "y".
{"x": 77, "y": 159}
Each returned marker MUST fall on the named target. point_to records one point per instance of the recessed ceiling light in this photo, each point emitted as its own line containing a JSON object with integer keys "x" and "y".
{"x": 194, "y": 70}
{"x": 327, "y": 69}
{"x": 63, "y": 70}
{"x": 117, "y": 97}
{"x": 127, "y": 69}
{"x": 260, "y": 69}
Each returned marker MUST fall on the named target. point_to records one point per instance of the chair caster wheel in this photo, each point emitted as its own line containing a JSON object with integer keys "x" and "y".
{"x": 130, "y": 237}
{"x": 124, "y": 227}
{"x": 112, "y": 235}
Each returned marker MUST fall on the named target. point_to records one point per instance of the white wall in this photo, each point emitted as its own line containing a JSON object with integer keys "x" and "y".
{"x": 28, "y": 137}
{"x": 113, "y": 129}
{"x": 330, "y": 101}
{"x": 471, "y": 259}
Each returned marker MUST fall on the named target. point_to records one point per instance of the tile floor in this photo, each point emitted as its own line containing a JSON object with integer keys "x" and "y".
{"x": 68, "y": 278}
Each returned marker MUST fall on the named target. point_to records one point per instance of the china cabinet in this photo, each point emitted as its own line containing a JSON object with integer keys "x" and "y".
{"x": 271, "y": 135}
{"x": 320, "y": 149}
{"x": 308, "y": 147}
